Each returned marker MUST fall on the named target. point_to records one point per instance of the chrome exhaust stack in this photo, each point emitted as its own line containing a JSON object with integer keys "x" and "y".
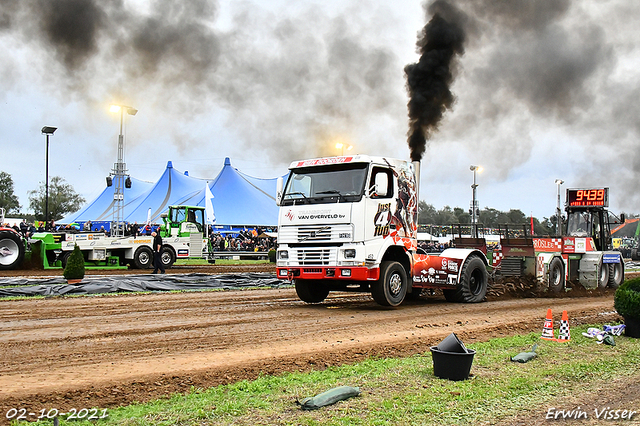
{"x": 416, "y": 170}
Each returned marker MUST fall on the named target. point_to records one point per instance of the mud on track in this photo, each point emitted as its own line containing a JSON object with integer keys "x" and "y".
{"x": 106, "y": 351}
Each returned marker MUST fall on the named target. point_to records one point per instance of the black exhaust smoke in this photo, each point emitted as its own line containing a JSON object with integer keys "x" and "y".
{"x": 429, "y": 80}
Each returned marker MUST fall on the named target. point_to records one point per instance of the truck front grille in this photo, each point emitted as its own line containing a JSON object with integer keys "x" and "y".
{"x": 314, "y": 256}
{"x": 315, "y": 233}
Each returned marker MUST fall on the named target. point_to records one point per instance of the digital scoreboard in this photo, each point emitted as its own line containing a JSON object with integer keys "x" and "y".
{"x": 593, "y": 197}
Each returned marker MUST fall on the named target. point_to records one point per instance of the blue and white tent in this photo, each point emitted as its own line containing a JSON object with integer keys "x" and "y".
{"x": 238, "y": 199}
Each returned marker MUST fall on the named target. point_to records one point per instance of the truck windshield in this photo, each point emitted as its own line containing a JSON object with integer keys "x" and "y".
{"x": 326, "y": 184}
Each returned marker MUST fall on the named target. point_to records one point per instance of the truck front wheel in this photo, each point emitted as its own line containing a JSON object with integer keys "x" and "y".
{"x": 473, "y": 284}
{"x": 391, "y": 288}
{"x": 311, "y": 291}
{"x": 143, "y": 258}
{"x": 11, "y": 250}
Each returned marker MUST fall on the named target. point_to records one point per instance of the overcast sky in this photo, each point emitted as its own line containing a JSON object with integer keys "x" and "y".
{"x": 543, "y": 90}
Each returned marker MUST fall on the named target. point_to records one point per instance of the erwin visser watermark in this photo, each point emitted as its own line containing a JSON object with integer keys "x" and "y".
{"x": 599, "y": 413}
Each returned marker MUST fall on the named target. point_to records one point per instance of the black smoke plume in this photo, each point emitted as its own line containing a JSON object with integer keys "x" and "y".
{"x": 429, "y": 80}
{"x": 72, "y": 27}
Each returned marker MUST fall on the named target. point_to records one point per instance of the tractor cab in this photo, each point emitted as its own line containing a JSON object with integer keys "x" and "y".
{"x": 588, "y": 217}
{"x": 182, "y": 221}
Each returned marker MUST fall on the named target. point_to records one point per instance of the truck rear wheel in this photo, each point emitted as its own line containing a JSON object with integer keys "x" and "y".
{"x": 473, "y": 284}
{"x": 65, "y": 258}
{"x": 391, "y": 288}
{"x": 616, "y": 274}
{"x": 556, "y": 275}
{"x": 603, "y": 277}
{"x": 143, "y": 258}
{"x": 11, "y": 250}
{"x": 311, "y": 291}
{"x": 168, "y": 257}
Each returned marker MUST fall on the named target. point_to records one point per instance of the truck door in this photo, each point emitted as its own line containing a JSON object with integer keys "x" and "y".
{"x": 379, "y": 205}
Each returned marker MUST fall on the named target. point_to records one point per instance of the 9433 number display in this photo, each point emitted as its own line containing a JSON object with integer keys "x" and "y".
{"x": 70, "y": 414}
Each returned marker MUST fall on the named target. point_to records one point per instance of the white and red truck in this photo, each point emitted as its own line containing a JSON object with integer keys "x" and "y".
{"x": 349, "y": 223}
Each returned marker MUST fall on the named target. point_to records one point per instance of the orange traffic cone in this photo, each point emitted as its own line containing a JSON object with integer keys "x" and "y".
{"x": 564, "y": 334}
{"x": 547, "y": 330}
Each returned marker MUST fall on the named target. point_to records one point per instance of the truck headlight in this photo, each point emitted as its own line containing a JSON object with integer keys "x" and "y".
{"x": 349, "y": 253}
{"x": 283, "y": 254}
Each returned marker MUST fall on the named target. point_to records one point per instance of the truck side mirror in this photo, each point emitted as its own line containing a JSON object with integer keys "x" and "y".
{"x": 381, "y": 185}
{"x": 279, "y": 185}
{"x": 623, "y": 218}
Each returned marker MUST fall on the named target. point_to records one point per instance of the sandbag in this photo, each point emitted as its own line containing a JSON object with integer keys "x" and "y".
{"x": 525, "y": 356}
{"x": 329, "y": 397}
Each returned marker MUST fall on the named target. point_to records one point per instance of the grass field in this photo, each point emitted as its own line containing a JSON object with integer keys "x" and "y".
{"x": 406, "y": 392}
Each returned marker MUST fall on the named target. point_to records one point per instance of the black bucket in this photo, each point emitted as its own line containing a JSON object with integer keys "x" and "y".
{"x": 452, "y": 344}
{"x": 452, "y": 365}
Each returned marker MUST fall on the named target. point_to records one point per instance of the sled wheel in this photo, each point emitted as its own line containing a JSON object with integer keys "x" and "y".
{"x": 11, "y": 250}
{"x": 143, "y": 258}
{"x": 556, "y": 275}
{"x": 391, "y": 288}
{"x": 616, "y": 274}
{"x": 311, "y": 291}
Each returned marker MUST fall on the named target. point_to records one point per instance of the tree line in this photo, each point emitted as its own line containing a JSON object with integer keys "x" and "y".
{"x": 487, "y": 217}
{"x": 63, "y": 199}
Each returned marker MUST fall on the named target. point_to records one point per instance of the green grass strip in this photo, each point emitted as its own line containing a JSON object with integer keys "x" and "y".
{"x": 405, "y": 391}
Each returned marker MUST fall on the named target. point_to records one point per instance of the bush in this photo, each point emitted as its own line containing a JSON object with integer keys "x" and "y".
{"x": 627, "y": 298}
{"x": 75, "y": 265}
{"x": 272, "y": 256}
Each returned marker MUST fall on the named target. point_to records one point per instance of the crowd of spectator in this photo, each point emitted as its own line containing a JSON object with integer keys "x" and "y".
{"x": 244, "y": 240}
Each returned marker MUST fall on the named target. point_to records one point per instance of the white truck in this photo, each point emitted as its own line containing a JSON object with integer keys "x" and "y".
{"x": 182, "y": 231}
{"x": 349, "y": 223}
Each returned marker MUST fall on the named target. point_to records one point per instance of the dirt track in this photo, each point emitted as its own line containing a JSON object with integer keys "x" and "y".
{"x": 105, "y": 351}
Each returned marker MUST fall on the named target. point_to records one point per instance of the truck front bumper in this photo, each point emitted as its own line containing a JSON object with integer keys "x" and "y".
{"x": 353, "y": 273}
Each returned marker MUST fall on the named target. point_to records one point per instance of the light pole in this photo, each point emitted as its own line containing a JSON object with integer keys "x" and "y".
{"x": 48, "y": 131}
{"x": 341, "y": 146}
{"x": 119, "y": 173}
{"x": 474, "y": 202}
{"x": 558, "y": 211}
